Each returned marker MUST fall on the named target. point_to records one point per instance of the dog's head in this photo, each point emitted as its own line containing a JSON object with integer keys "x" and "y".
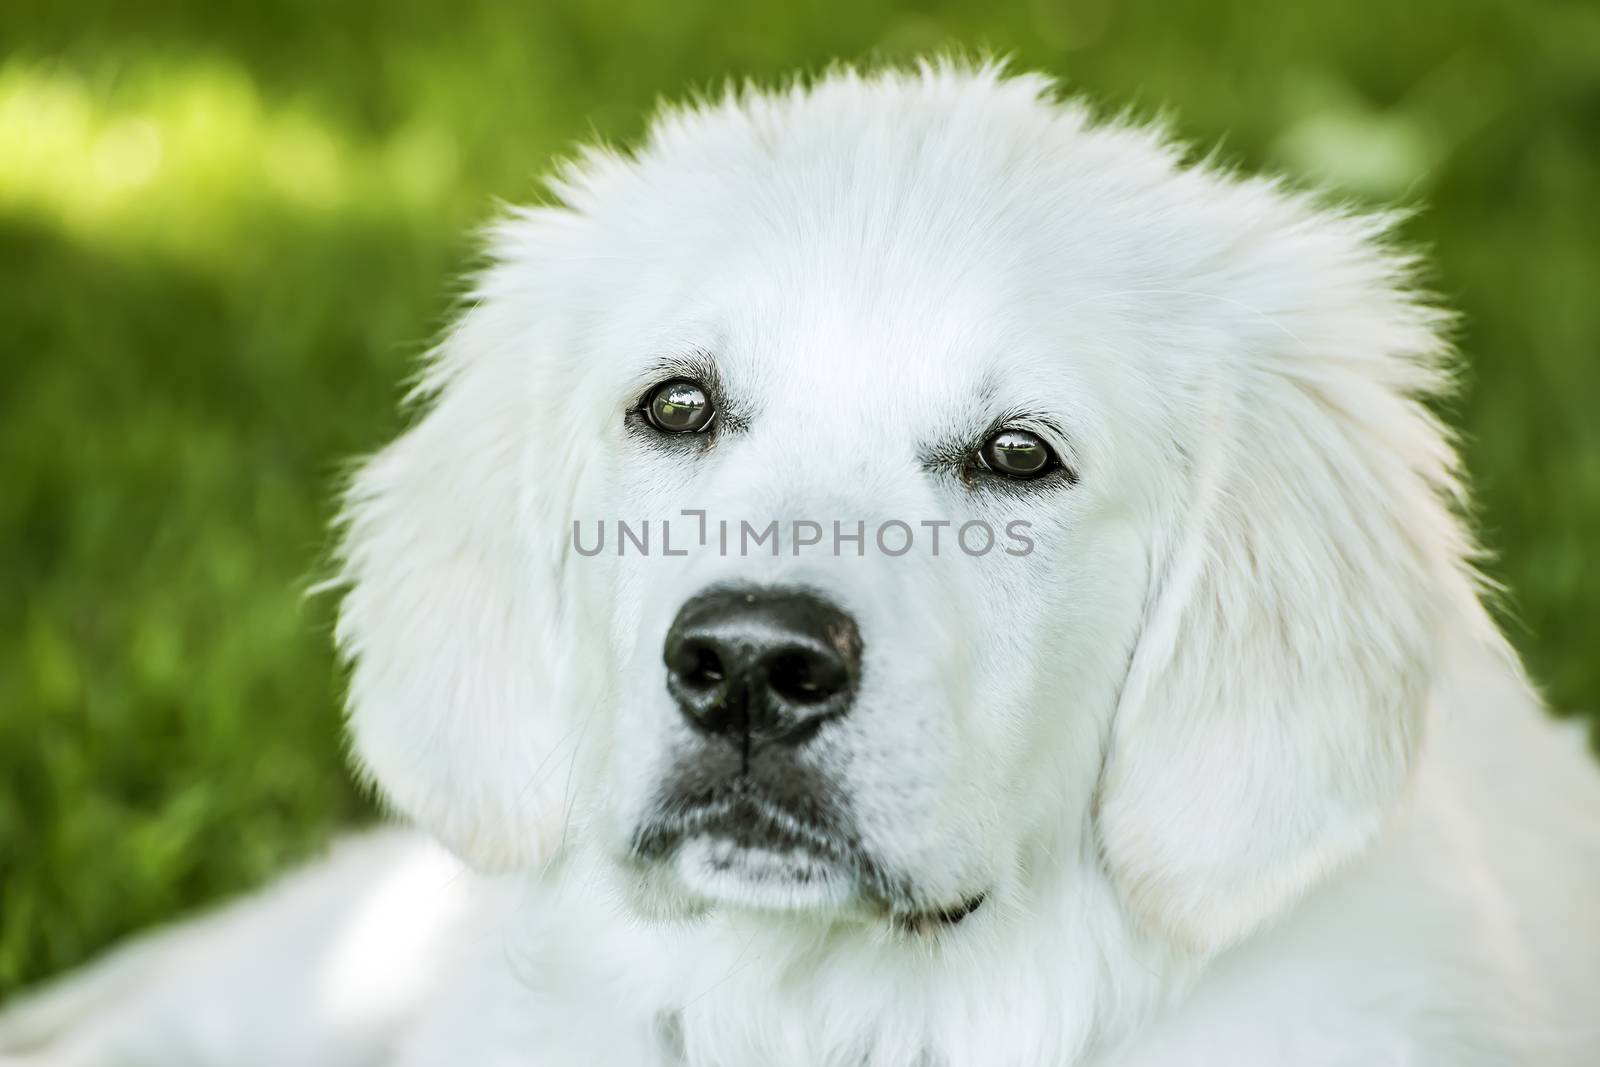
{"x": 874, "y": 498}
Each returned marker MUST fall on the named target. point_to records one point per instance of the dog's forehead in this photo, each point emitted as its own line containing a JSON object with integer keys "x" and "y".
{"x": 898, "y": 249}
{"x": 825, "y": 317}
{"x": 898, "y": 343}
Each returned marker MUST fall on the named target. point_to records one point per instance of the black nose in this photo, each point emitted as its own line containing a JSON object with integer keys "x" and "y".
{"x": 759, "y": 665}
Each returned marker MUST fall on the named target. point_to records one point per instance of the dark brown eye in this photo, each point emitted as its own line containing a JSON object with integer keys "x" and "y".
{"x": 1018, "y": 454}
{"x": 678, "y": 406}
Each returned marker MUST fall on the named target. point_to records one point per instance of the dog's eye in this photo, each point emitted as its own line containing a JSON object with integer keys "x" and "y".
{"x": 1018, "y": 454}
{"x": 678, "y": 406}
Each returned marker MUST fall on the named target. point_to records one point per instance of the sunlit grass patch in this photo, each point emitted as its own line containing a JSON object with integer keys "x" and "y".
{"x": 185, "y": 156}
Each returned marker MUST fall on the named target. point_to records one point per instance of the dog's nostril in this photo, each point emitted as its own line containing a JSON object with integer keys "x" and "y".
{"x": 697, "y": 665}
{"x": 803, "y": 678}
{"x": 706, "y": 671}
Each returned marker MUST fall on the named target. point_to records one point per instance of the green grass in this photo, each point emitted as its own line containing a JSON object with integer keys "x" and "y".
{"x": 226, "y": 230}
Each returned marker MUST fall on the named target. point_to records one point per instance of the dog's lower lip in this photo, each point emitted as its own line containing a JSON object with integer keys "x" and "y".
{"x": 741, "y": 812}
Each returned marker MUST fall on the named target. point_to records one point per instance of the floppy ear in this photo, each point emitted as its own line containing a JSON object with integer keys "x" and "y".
{"x": 1276, "y": 695}
{"x": 462, "y": 694}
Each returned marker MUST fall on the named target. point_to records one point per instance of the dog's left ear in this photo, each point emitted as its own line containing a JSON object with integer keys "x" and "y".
{"x": 1275, "y": 700}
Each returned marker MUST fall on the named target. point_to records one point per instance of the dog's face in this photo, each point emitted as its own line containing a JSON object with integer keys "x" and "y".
{"x": 871, "y": 704}
{"x": 1005, "y": 504}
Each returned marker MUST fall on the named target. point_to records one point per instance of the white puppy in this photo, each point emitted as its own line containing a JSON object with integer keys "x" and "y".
{"x": 1191, "y": 743}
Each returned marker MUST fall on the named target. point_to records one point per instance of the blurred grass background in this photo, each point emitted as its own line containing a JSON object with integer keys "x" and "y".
{"x": 227, "y": 229}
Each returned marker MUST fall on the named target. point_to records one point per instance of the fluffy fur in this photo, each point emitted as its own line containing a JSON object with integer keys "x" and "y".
{"x": 1244, "y": 771}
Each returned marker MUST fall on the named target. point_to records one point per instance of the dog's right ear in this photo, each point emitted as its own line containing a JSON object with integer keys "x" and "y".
{"x": 466, "y": 689}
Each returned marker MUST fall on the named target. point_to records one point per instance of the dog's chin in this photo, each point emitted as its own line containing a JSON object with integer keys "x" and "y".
{"x": 787, "y": 878}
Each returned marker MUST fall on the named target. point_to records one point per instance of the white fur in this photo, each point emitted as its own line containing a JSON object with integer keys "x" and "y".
{"x": 1244, "y": 767}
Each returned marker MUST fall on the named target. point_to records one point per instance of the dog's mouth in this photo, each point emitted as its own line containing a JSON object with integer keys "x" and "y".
{"x": 740, "y": 846}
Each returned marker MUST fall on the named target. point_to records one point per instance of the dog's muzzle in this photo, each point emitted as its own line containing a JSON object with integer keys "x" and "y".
{"x": 757, "y": 673}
